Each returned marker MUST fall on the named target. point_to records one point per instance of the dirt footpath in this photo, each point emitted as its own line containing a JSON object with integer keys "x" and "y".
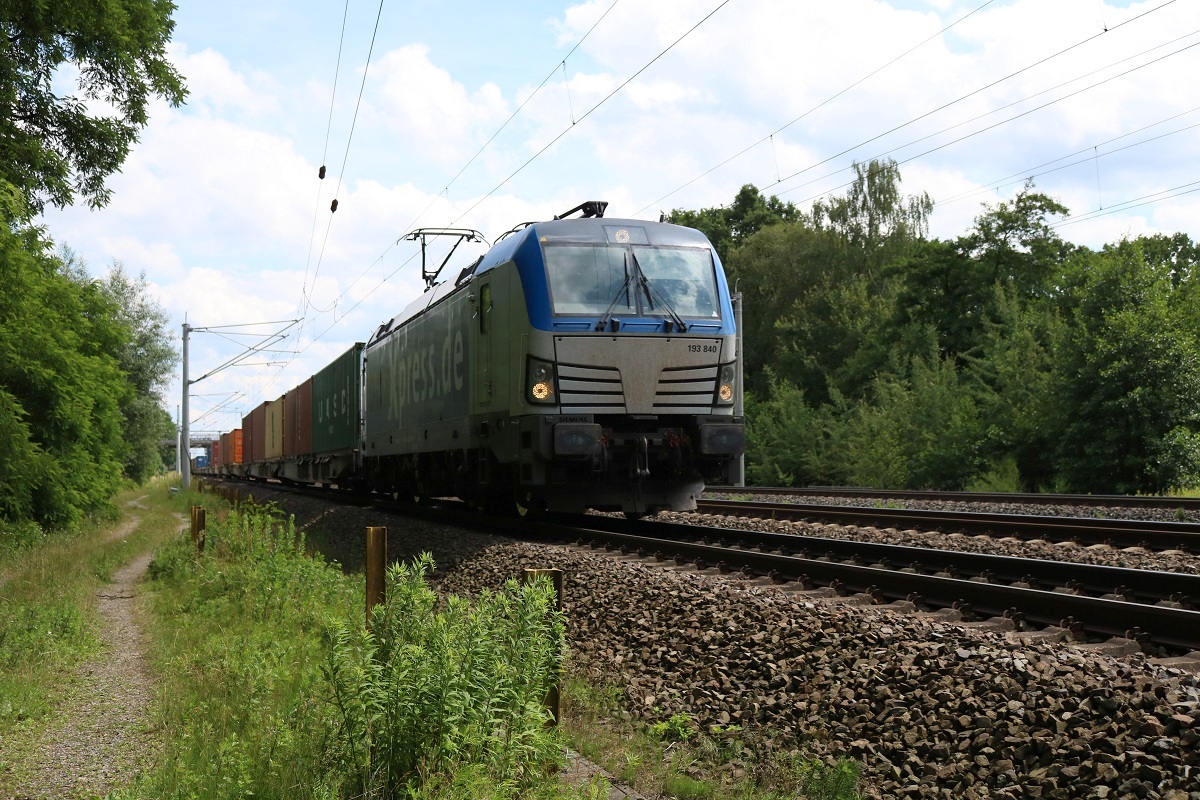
{"x": 101, "y": 735}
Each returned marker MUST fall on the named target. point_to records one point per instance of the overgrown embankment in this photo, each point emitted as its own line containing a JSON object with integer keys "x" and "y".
{"x": 273, "y": 687}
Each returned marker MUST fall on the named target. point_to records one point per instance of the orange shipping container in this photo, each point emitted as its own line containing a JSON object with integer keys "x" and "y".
{"x": 236, "y": 446}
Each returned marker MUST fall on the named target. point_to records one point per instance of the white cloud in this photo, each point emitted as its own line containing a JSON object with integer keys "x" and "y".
{"x": 431, "y": 115}
{"x": 215, "y": 88}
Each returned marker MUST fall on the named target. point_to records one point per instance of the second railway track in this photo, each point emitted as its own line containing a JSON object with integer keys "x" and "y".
{"x": 1151, "y": 607}
{"x": 1182, "y": 536}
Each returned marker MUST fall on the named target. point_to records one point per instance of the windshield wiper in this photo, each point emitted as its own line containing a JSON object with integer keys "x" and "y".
{"x": 650, "y": 288}
{"x": 607, "y": 317}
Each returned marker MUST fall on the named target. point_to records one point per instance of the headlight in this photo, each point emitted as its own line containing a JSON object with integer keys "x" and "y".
{"x": 539, "y": 383}
{"x": 727, "y": 385}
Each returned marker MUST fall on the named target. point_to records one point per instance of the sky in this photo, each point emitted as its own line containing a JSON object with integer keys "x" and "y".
{"x": 484, "y": 115}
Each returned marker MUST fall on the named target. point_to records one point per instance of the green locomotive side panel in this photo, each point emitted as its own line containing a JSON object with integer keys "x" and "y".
{"x": 419, "y": 376}
{"x": 336, "y": 394}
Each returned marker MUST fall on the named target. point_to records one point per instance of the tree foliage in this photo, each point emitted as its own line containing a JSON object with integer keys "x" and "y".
{"x": 729, "y": 226}
{"x": 1004, "y": 358}
{"x": 1128, "y": 375}
{"x": 55, "y": 147}
{"x": 81, "y": 364}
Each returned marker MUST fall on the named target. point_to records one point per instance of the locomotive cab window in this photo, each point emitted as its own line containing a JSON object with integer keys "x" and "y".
{"x": 681, "y": 276}
{"x": 592, "y": 280}
{"x": 485, "y": 306}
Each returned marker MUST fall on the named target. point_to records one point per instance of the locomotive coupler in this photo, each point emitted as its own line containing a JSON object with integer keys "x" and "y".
{"x": 640, "y": 465}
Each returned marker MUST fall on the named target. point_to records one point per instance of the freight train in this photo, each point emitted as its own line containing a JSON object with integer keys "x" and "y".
{"x": 580, "y": 363}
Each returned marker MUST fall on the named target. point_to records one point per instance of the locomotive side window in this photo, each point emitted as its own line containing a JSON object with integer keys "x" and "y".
{"x": 485, "y": 306}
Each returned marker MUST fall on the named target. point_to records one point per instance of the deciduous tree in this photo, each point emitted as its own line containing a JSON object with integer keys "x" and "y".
{"x": 55, "y": 147}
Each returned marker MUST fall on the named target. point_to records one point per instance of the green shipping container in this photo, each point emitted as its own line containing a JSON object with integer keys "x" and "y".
{"x": 336, "y": 406}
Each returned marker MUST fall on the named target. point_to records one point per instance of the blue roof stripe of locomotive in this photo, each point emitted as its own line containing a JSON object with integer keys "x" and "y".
{"x": 525, "y": 249}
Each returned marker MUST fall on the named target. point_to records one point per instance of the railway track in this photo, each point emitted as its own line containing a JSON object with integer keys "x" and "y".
{"x": 1010, "y": 498}
{"x": 1153, "y": 608}
{"x": 1182, "y": 536}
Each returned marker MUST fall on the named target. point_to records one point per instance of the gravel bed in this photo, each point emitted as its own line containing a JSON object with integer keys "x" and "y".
{"x": 1089, "y": 512}
{"x": 1105, "y": 555}
{"x": 930, "y": 708}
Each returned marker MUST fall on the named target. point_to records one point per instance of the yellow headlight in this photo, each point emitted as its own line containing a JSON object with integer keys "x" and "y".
{"x": 541, "y": 390}
{"x": 725, "y": 392}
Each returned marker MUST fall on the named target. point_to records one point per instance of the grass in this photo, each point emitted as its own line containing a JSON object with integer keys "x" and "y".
{"x": 673, "y": 758}
{"x": 272, "y": 688}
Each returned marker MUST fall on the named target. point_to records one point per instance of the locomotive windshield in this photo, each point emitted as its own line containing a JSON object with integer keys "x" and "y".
{"x": 588, "y": 279}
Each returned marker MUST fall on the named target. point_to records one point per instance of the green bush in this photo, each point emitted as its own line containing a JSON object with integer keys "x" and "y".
{"x": 276, "y": 691}
{"x": 433, "y": 689}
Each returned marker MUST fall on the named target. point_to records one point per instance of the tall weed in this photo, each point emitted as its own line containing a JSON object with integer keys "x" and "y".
{"x": 435, "y": 687}
{"x": 275, "y": 690}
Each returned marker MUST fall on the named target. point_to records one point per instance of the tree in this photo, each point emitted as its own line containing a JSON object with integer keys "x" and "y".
{"x": 61, "y": 389}
{"x": 788, "y": 443}
{"x": 147, "y": 356}
{"x": 1128, "y": 374}
{"x": 818, "y": 300}
{"x": 1015, "y": 245}
{"x": 54, "y": 148}
{"x": 1010, "y": 372}
{"x": 727, "y": 227}
{"x": 877, "y": 223}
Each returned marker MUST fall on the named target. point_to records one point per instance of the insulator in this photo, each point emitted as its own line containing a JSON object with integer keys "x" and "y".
{"x": 333, "y": 205}
{"x": 321, "y": 172}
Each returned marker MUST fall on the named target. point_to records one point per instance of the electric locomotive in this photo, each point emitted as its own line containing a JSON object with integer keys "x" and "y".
{"x": 580, "y": 363}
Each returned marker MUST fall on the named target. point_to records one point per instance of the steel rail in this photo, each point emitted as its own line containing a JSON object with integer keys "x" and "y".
{"x": 1090, "y": 500}
{"x": 1084, "y": 530}
{"x": 1134, "y": 585}
{"x": 1170, "y": 625}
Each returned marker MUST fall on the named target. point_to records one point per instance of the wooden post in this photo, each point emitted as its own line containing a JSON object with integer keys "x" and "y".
{"x": 556, "y": 578}
{"x": 376, "y": 567}
{"x": 198, "y": 528}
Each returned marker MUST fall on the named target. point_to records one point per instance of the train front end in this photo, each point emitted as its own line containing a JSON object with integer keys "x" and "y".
{"x": 630, "y": 366}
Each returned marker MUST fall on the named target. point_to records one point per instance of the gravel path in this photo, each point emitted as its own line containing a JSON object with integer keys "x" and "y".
{"x": 101, "y": 735}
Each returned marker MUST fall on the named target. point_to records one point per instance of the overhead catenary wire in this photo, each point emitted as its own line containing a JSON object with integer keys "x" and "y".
{"x": 915, "y": 119}
{"x": 446, "y": 190}
{"x": 349, "y": 141}
{"x": 1020, "y": 175}
{"x": 588, "y": 113}
{"x": 530, "y": 160}
{"x": 984, "y": 88}
{"x": 998, "y": 124}
{"x": 818, "y": 106}
{"x": 997, "y": 110}
{"x": 341, "y": 313}
{"x": 324, "y": 155}
{"x": 1137, "y": 202}
{"x": 992, "y": 186}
